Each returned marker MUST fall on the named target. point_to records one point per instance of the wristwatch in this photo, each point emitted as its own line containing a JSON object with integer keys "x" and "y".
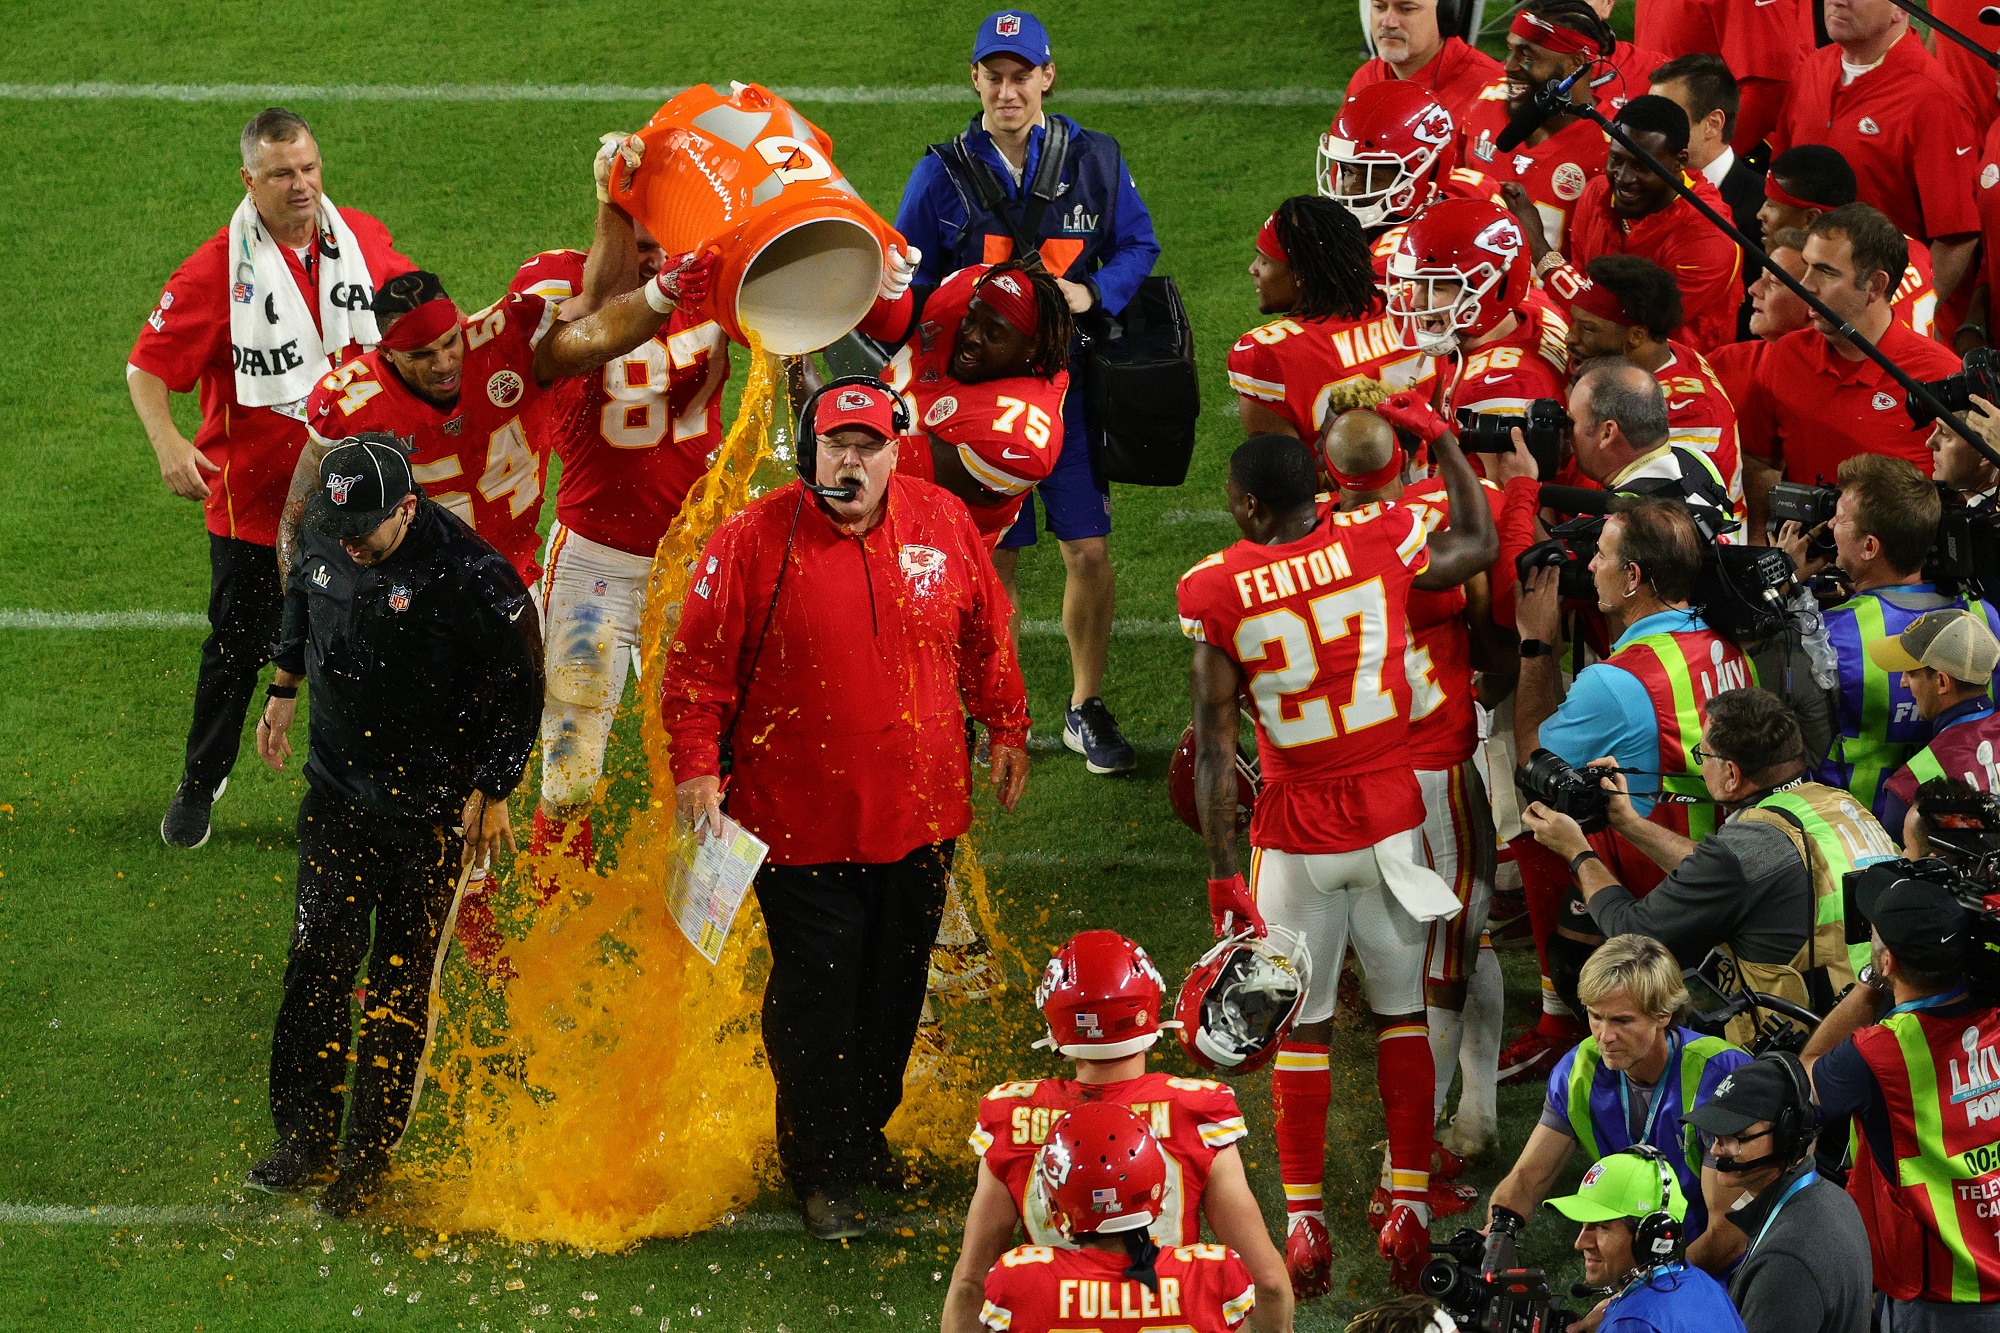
{"x": 1537, "y": 648}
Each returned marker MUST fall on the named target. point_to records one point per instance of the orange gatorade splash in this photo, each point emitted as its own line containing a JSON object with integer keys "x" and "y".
{"x": 616, "y": 1089}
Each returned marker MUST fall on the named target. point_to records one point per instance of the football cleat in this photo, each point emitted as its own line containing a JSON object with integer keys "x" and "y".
{"x": 1528, "y": 1057}
{"x": 1405, "y": 1241}
{"x": 479, "y": 933}
{"x": 1309, "y": 1258}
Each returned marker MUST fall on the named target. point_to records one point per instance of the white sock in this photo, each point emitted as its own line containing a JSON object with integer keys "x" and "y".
{"x": 1445, "y": 1025}
{"x": 1479, "y": 1054}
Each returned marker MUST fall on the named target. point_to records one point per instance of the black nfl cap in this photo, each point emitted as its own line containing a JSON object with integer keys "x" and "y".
{"x": 361, "y": 481}
{"x": 1919, "y": 920}
{"x": 1760, "y": 1090}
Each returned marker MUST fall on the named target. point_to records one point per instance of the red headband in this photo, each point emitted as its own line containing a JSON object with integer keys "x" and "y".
{"x": 1777, "y": 194}
{"x": 1600, "y": 301}
{"x": 1551, "y": 36}
{"x": 1012, "y": 297}
{"x": 1267, "y": 241}
{"x": 421, "y": 327}
{"x": 1370, "y": 481}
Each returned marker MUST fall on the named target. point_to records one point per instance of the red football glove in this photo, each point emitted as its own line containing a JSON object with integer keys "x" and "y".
{"x": 683, "y": 280}
{"x": 1407, "y": 411}
{"x": 1231, "y": 908}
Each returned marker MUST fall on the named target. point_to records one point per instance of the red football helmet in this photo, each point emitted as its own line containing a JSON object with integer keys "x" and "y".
{"x": 1396, "y": 139}
{"x": 1180, "y": 783}
{"x": 1100, "y": 996}
{"x": 1101, "y": 1170}
{"x": 1240, "y": 1000}
{"x": 1475, "y": 252}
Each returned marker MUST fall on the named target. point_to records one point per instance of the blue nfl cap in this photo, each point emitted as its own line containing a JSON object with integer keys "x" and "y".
{"x": 1012, "y": 32}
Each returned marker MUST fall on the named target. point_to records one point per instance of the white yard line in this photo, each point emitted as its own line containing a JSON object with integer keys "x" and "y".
{"x": 88, "y": 620}
{"x": 1042, "y": 629}
{"x": 856, "y": 95}
{"x": 278, "y": 1210}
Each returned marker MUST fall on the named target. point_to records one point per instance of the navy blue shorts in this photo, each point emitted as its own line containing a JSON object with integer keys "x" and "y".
{"x": 1076, "y": 502}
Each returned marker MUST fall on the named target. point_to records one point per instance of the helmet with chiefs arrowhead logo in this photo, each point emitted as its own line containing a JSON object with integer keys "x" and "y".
{"x": 1397, "y": 138}
{"x": 1100, "y": 996}
{"x": 1241, "y": 999}
{"x": 1462, "y": 268}
{"x": 1101, "y": 1170}
{"x": 1180, "y": 783}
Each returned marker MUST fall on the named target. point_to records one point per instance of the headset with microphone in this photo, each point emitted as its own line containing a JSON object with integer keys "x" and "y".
{"x": 1657, "y": 1237}
{"x": 806, "y": 445}
{"x": 1793, "y": 1130}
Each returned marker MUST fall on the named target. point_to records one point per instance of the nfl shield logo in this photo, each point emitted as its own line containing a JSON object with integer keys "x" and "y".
{"x": 1008, "y": 25}
{"x": 599, "y": 587}
{"x": 399, "y": 598}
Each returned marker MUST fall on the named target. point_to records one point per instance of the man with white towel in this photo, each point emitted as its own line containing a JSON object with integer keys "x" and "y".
{"x": 254, "y": 317}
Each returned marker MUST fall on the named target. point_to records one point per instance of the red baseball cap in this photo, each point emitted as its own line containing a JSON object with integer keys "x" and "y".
{"x": 856, "y": 405}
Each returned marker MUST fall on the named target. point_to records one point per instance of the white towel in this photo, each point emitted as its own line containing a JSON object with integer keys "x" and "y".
{"x": 278, "y": 353}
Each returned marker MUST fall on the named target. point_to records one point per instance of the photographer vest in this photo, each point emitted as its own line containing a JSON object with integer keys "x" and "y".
{"x": 1596, "y": 1104}
{"x": 1933, "y": 1226}
{"x": 1681, "y": 671}
{"x": 1877, "y": 726}
{"x": 1833, "y": 835}
{"x": 1068, "y": 203}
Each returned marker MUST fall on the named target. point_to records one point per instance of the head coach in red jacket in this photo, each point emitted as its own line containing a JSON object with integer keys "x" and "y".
{"x": 836, "y": 634}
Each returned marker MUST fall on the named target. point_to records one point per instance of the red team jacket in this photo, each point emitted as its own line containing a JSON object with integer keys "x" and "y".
{"x": 186, "y": 343}
{"x": 473, "y": 457}
{"x": 1705, "y": 264}
{"x": 635, "y": 436}
{"x": 1291, "y": 365}
{"x": 1456, "y": 76}
{"x": 1041, "y": 1289}
{"x": 1319, "y": 627}
{"x": 1008, "y": 432}
{"x": 1554, "y": 172}
{"x": 1193, "y": 1118}
{"x": 850, "y": 744}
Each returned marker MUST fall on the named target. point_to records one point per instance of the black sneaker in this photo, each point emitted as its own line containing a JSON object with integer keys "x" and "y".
{"x": 830, "y": 1217}
{"x": 186, "y": 822}
{"x": 289, "y": 1170}
{"x": 1092, "y": 732}
{"x": 353, "y": 1189}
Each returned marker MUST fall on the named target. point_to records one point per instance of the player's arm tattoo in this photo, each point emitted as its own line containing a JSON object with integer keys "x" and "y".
{"x": 1213, "y": 682}
{"x": 1471, "y": 543}
{"x": 305, "y": 476}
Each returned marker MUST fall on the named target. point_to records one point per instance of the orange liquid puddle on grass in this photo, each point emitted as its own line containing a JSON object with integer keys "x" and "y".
{"x": 616, "y": 1089}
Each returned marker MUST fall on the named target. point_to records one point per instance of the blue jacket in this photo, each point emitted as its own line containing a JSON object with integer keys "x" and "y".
{"x": 1098, "y": 210}
{"x": 1674, "y": 1300}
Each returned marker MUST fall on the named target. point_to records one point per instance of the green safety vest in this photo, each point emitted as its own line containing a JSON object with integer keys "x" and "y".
{"x": 1587, "y": 1103}
{"x": 1660, "y": 662}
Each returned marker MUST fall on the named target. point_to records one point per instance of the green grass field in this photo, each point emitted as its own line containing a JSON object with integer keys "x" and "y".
{"x": 138, "y": 984}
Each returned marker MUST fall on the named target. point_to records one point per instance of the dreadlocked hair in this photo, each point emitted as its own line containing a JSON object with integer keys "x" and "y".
{"x": 1330, "y": 259}
{"x": 1048, "y": 352}
{"x": 1357, "y": 393}
{"x": 1578, "y": 16}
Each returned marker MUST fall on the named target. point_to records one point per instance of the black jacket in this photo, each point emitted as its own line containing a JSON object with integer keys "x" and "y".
{"x": 425, "y": 670}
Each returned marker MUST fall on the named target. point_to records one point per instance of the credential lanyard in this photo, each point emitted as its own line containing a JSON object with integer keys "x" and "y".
{"x": 1779, "y": 1207}
{"x": 1659, "y": 1093}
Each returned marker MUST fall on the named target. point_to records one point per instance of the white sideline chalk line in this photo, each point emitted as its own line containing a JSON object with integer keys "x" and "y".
{"x": 96, "y": 620}
{"x": 855, "y": 95}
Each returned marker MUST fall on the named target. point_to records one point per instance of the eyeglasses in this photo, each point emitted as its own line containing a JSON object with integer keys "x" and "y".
{"x": 1701, "y": 754}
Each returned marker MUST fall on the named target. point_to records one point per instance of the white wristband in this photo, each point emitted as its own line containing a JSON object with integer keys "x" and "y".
{"x": 662, "y": 303}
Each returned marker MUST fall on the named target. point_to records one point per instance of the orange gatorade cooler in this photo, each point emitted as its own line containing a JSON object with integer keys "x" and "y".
{"x": 748, "y": 175}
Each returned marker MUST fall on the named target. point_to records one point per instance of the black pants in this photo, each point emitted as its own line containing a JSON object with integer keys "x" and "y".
{"x": 354, "y": 863}
{"x": 244, "y": 608}
{"x": 850, "y": 953}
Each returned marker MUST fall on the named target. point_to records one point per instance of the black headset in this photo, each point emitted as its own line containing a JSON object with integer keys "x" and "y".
{"x": 806, "y": 444}
{"x": 1658, "y": 1236}
{"x": 1794, "y": 1129}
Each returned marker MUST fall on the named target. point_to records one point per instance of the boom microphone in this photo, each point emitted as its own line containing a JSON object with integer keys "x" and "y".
{"x": 1547, "y": 101}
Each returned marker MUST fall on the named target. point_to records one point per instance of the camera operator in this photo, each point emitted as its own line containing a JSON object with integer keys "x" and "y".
{"x": 1806, "y": 1269}
{"x": 1915, "y": 1059}
{"x": 1883, "y": 528}
{"x": 1629, "y": 1083}
{"x": 1634, "y": 1240}
{"x": 1764, "y": 887}
{"x": 1623, "y": 438}
{"x": 1946, "y": 661}
{"x": 1958, "y": 465}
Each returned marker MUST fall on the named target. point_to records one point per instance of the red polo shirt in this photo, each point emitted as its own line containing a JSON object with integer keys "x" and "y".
{"x": 1735, "y": 365}
{"x": 186, "y": 343}
{"x": 1455, "y": 76}
{"x": 1973, "y": 76}
{"x": 1986, "y": 198}
{"x": 1706, "y": 264}
{"x": 1634, "y": 63}
{"x": 1904, "y": 129}
{"x": 1809, "y": 408}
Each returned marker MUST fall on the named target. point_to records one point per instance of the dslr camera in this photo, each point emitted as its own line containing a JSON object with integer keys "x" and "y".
{"x": 1979, "y": 374}
{"x": 1543, "y": 426}
{"x": 1548, "y": 777}
{"x": 1480, "y": 1282}
{"x": 1808, "y": 506}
